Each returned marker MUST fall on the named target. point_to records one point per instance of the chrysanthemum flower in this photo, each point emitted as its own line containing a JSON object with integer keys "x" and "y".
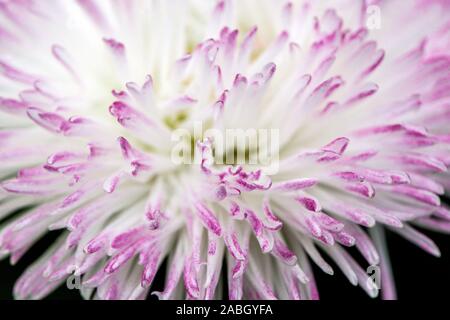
{"x": 93, "y": 91}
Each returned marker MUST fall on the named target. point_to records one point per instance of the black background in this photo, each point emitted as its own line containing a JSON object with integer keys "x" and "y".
{"x": 418, "y": 275}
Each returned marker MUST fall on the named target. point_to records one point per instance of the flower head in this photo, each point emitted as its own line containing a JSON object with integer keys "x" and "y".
{"x": 93, "y": 93}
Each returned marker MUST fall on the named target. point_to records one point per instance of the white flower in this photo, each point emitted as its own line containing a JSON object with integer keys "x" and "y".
{"x": 92, "y": 93}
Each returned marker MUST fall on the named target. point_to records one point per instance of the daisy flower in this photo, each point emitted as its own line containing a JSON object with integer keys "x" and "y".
{"x": 106, "y": 114}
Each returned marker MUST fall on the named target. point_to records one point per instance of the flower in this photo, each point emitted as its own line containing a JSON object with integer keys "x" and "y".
{"x": 92, "y": 93}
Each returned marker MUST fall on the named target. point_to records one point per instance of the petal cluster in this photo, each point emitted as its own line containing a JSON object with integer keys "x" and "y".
{"x": 92, "y": 92}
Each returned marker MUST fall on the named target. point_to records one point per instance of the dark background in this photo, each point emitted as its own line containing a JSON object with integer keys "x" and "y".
{"x": 418, "y": 275}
